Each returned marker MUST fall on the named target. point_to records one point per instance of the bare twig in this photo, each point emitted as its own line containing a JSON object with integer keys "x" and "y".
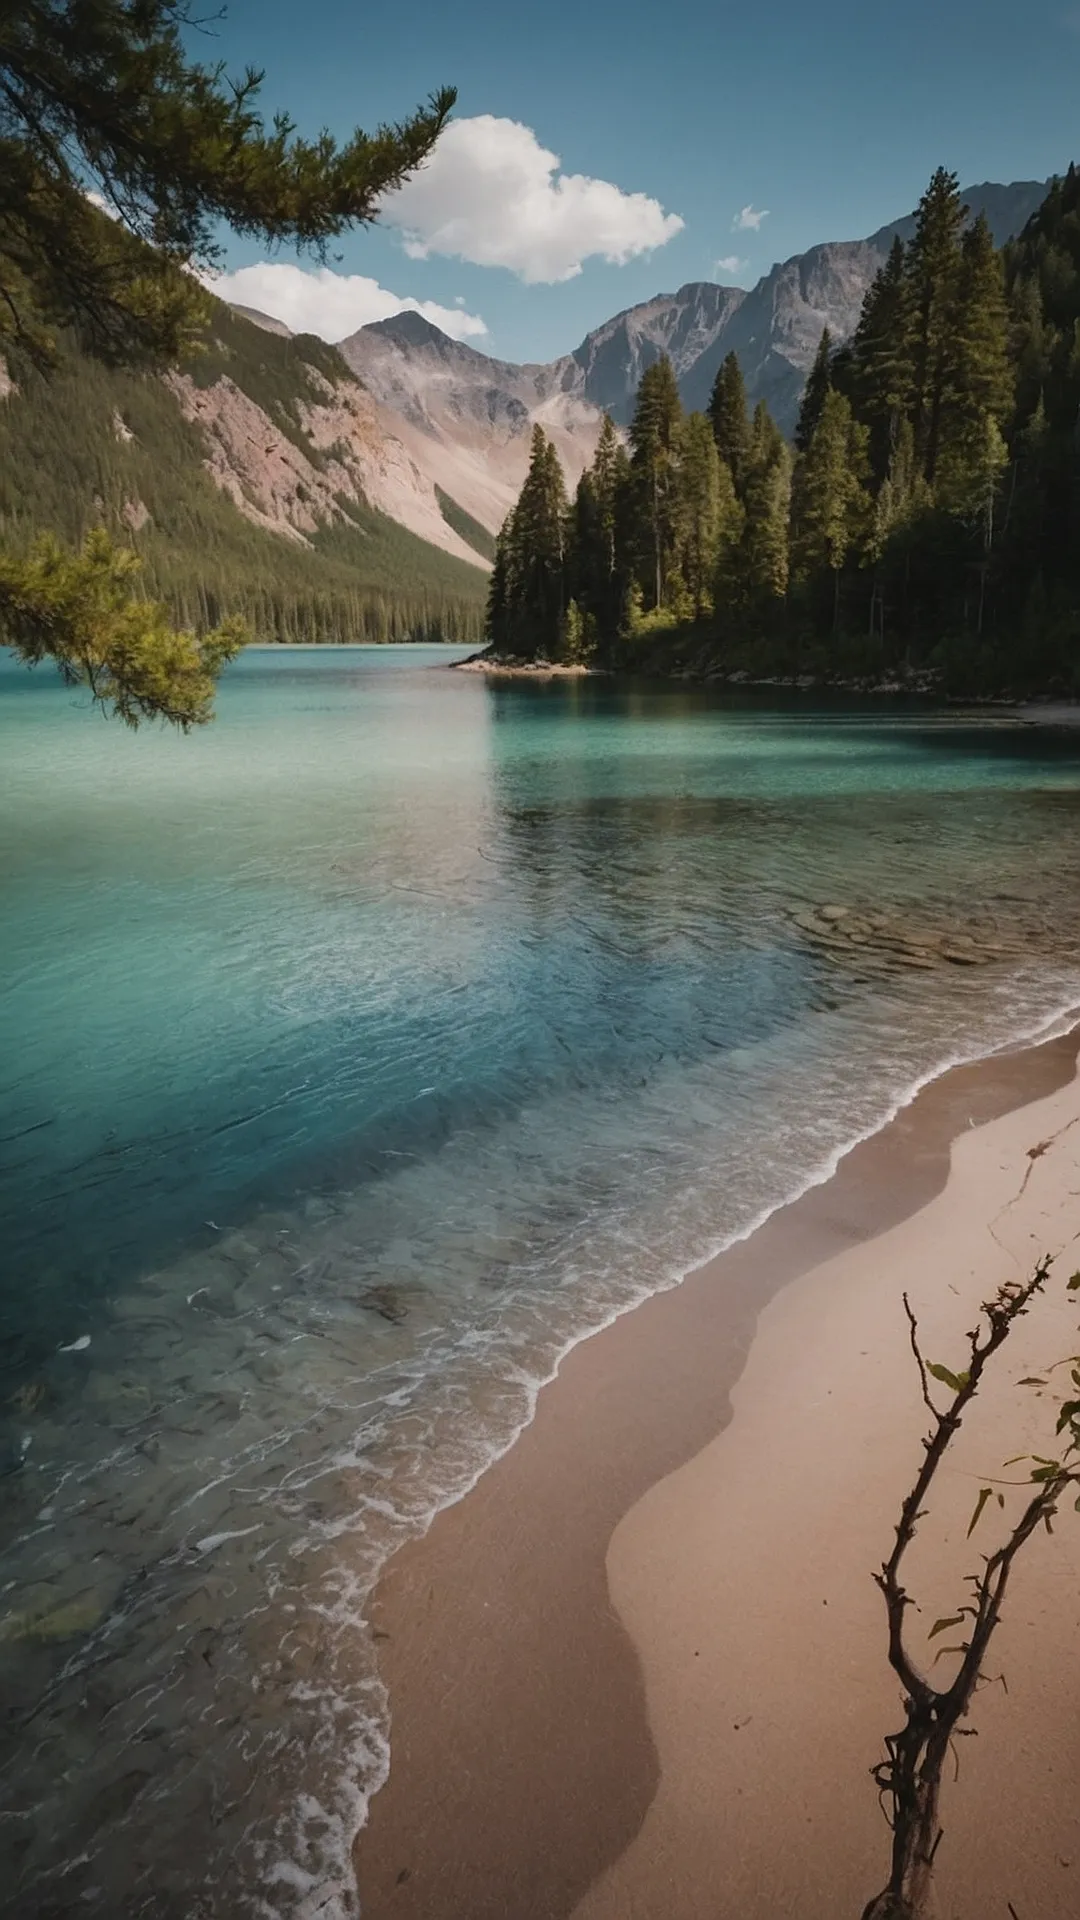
{"x": 913, "y": 1328}
{"x": 909, "y": 1778}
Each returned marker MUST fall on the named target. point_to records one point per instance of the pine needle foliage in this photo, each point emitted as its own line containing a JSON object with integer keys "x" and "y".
{"x": 121, "y": 158}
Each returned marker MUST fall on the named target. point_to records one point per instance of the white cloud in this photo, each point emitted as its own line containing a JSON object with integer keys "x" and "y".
{"x": 730, "y": 264}
{"x": 749, "y": 220}
{"x": 492, "y": 195}
{"x": 330, "y": 304}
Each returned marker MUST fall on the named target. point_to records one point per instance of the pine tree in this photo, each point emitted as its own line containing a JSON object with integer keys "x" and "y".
{"x": 605, "y": 480}
{"x": 102, "y": 95}
{"x": 979, "y": 381}
{"x": 654, "y": 441}
{"x": 900, "y": 495}
{"x": 880, "y": 358}
{"x": 535, "y": 591}
{"x": 819, "y": 383}
{"x": 830, "y": 507}
{"x": 730, "y": 419}
{"x": 730, "y": 525}
{"x": 1043, "y": 274}
{"x": 598, "y": 544}
{"x": 622, "y": 579}
{"x": 764, "y": 554}
{"x": 579, "y": 639}
{"x": 766, "y": 440}
{"x": 699, "y": 511}
{"x": 500, "y": 600}
{"x": 931, "y": 271}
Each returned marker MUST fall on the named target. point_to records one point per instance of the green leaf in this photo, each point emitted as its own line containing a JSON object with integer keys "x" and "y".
{"x": 942, "y": 1651}
{"x": 939, "y": 1626}
{"x": 1031, "y": 1381}
{"x": 1073, "y": 1285}
{"x": 957, "y": 1381}
{"x": 984, "y": 1495}
{"x": 1068, "y": 1414}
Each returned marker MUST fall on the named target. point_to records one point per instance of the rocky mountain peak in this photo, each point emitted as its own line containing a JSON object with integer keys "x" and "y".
{"x": 467, "y": 418}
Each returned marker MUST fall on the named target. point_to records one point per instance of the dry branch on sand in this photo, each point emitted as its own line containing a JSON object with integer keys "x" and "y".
{"x": 910, "y": 1776}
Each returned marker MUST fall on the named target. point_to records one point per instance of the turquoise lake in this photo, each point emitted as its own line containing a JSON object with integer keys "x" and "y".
{"x": 358, "y": 1054}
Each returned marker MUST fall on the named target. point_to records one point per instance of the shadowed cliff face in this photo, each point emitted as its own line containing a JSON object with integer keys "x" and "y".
{"x": 686, "y": 326}
{"x": 468, "y": 417}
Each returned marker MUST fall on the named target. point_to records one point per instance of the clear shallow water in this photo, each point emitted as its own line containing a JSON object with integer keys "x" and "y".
{"x": 357, "y": 1056}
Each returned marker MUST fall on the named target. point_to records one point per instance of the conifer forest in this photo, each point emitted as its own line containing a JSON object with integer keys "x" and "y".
{"x": 924, "y": 527}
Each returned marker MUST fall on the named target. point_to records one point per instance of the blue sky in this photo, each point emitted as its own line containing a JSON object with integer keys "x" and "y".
{"x": 827, "y": 119}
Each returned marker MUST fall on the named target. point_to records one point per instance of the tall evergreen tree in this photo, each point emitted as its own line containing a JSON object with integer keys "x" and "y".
{"x": 817, "y": 386}
{"x": 931, "y": 271}
{"x": 730, "y": 419}
{"x": 900, "y": 495}
{"x": 979, "y": 385}
{"x": 601, "y": 538}
{"x": 699, "y": 511}
{"x": 727, "y": 586}
{"x": 764, "y": 551}
{"x": 498, "y": 621}
{"x": 880, "y": 358}
{"x": 527, "y": 601}
{"x": 654, "y": 442}
{"x": 830, "y": 507}
{"x": 539, "y": 536}
{"x": 980, "y": 378}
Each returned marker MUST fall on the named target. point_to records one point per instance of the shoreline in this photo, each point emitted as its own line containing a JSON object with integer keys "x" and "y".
{"x": 526, "y": 669}
{"x": 767, "y": 1669}
{"x": 1031, "y": 710}
{"x": 512, "y": 1682}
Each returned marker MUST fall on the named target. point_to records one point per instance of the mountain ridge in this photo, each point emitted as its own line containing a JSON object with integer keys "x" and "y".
{"x": 353, "y": 491}
{"x": 258, "y": 479}
{"x": 468, "y": 416}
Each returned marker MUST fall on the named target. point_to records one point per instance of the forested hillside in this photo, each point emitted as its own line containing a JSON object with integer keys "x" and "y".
{"x": 240, "y": 481}
{"x": 926, "y": 520}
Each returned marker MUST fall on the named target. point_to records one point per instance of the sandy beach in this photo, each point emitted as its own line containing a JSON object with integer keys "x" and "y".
{"x": 640, "y": 1669}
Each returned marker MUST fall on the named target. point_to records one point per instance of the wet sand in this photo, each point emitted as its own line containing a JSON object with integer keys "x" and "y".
{"x": 524, "y": 1751}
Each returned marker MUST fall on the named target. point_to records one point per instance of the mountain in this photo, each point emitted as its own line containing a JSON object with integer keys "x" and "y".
{"x": 465, "y": 418}
{"x": 261, "y": 478}
{"x": 1007, "y": 208}
{"x": 353, "y": 492}
{"x": 777, "y": 326}
{"x": 611, "y": 360}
